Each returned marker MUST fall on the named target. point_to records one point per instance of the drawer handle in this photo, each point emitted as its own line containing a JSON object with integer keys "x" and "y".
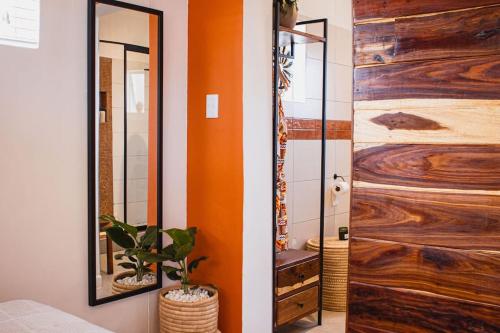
{"x": 301, "y": 305}
{"x": 301, "y": 276}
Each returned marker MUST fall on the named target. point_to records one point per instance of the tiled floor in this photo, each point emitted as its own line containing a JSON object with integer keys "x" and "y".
{"x": 333, "y": 322}
{"x": 107, "y": 279}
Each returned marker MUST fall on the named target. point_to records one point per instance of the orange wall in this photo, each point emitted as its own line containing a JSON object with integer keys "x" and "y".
{"x": 215, "y": 150}
{"x": 153, "y": 122}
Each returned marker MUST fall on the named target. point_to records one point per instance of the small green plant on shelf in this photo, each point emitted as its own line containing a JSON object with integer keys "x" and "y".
{"x": 177, "y": 253}
{"x": 289, "y": 11}
{"x": 137, "y": 249}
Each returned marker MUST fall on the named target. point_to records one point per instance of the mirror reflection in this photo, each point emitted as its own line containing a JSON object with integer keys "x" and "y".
{"x": 126, "y": 149}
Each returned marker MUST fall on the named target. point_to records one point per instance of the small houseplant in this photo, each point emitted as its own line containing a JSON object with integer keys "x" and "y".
{"x": 185, "y": 308}
{"x": 289, "y": 11}
{"x": 137, "y": 255}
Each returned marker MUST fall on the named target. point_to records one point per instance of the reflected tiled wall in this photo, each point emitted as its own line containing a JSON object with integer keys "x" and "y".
{"x": 137, "y": 155}
{"x": 303, "y": 161}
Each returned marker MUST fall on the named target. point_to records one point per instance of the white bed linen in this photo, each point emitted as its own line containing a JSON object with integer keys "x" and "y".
{"x": 24, "y": 316}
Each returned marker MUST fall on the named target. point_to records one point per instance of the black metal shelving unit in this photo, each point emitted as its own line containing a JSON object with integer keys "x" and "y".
{"x": 288, "y": 37}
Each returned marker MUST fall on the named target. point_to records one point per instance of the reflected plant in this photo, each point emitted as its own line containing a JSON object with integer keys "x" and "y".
{"x": 137, "y": 249}
{"x": 177, "y": 252}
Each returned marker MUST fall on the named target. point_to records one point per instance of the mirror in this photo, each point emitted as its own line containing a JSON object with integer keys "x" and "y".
{"x": 125, "y": 160}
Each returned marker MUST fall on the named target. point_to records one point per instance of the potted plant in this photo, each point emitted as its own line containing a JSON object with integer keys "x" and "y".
{"x": 137, "y": 256}
{"x": 289, "y": 12}
{"x": 185, "y": 307}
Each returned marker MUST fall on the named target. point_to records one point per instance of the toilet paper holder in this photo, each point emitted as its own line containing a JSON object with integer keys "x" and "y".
{"x": 335, "y": 177}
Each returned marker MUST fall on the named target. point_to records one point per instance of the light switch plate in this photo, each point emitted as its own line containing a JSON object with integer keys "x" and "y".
{"x": 212, "y": 110}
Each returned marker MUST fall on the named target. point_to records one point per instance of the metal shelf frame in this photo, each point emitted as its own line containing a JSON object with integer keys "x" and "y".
{"x": 276, "y": 56}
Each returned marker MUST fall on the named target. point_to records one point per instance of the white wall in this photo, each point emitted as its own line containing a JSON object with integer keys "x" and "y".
{"x": 43, "y": 174}
{"x": 257, "y": 150}
{"x": 124, "y": 25}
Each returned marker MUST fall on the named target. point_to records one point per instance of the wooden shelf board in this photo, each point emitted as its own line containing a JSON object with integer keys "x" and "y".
{"x": 287, "y": 36}
{"x": 294, "y": 257}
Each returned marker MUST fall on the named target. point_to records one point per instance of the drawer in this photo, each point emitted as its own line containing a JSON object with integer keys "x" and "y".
{"x": 296, "y": 276}
{"x": 297, "y": 306}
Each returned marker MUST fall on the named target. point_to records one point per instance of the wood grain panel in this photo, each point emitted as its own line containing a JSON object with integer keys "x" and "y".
{"x": 297, "y": 306}
{"x": 415, "y": 312}
{"x": 473, "y": 167}
{"x": 297, "y": 274}
{"x": 354, "y": 328}
{"x": 472, "y": 125}
{"x": 470, "y": 78}
{"x": 439, "y": 219}
{"x": 469, "y": 275}
{"x": 474, "y": 32}
{"x": 374, "y": 43}
{"x": 382, "y": 9}
{"x": 106, "y": 139}
{"x": 425, "y": 218}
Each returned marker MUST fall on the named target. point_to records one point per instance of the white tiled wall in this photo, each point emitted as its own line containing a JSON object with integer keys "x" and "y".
{"x": 303, "y": 161}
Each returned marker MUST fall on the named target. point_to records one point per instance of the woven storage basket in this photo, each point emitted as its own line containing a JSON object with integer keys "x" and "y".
{"x": 180, "y": 317}
{"x": 335, "y": 265}
{"x": 118, "y": 288}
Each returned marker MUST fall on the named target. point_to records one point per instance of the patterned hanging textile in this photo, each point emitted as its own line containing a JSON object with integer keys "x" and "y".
{"x": 281, "y": 185}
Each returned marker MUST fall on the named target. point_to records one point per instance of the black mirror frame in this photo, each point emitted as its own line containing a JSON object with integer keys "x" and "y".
{"x": 91, "y": 158}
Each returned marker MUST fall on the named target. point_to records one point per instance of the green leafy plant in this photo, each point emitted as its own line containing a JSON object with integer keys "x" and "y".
{"x": 177, "y": 253}
{"x": 286, "y": 5}
{"x": 137, "y": 249}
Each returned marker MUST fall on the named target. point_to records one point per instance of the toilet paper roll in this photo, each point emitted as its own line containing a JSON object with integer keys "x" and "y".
{"x": 342, "y": 188}
{"x": 102, "y": 117}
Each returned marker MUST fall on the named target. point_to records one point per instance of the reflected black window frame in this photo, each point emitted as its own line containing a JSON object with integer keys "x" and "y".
{"x": 91, "y": 142}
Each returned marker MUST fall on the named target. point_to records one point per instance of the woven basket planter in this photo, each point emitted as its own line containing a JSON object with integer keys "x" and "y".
{"x": 335, "y": 266}
{"x": 181, "y": 317}
{"x": 119, "y": 288}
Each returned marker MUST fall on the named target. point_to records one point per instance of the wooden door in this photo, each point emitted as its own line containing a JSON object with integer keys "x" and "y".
{"x": 425, "y": 228}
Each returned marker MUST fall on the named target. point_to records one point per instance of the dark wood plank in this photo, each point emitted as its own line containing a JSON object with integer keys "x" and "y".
{"x": 438, "y": 219}
{"x": 355, "y": 328}
{"x": 470, "y": 78}
{"x": 413, "y": 312}
{"x": 468, "y": 33}
{"x": 468, "y": 275}
{"x": 471, "y": 167}
{"x": 379, "y": 9}
{"x": 374, "y": 43}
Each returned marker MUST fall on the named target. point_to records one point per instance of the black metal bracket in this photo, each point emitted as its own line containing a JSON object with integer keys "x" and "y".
{"x": 335, "y": 177}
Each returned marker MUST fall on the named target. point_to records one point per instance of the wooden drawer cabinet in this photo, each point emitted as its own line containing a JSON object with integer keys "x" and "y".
{"x": 297, "y": 280}
{"x": 294, "y": 307}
